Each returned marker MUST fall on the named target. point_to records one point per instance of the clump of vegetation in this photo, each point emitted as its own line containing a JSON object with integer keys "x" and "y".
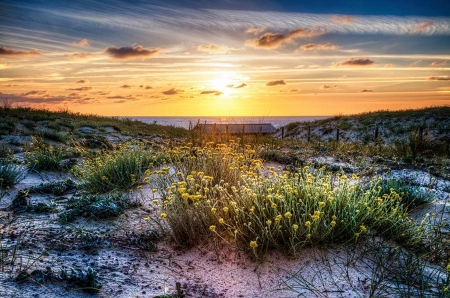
{"x": 52, "y": 135}
{"x": 43, "y": 157}
{"x": 96, "y": 206}
{"x": 87, "y": 280}
{"x": 119, "y": 170}
{"x": 10, "y": 173}
{"x": 56, "y": 188}
{"x": 21, "y": 203}
{"x": 283, "y": 210}
{"x": 412, "y": 196}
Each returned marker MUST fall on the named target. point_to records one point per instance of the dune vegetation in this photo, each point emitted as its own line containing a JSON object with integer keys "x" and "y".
{"x": 78, "y": 186}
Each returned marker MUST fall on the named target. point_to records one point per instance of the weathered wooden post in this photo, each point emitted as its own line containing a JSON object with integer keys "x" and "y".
{"x": 375, "y": 139}
{"x": 309, "y": 133}
{"x": 337, "y": 135}
{"x": 282, "y": 132}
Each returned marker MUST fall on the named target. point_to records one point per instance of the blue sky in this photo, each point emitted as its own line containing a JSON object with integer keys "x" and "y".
{"x": 189, "y": 57}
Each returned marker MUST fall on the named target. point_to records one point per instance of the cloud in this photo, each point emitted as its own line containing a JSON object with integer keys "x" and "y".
{"x": 256, "y": 31}
{"x": 81, "y": 89}
{"x": 447, "y": 78}
{"x": 422, "y": 26}
{"x": 318, "y": 47}
{"x": 343, "y": 19}
{"x": 294, "y": 90}
{"x": 356, "y": 62}
{"x": 81, "y": 43}
{"x": 328, "y": 86}
{"x": 212, "y": 48}
{"x": 215, "y": 92}
{"x": 389, "y": 65}
{"x": 238, "y": 86}
{"x": 34, "y": 92}
{"x": 81, "y": 56}
{"x": 137, "y": 52}
{"x": 9, "y": 52}
{"x": 415, "y": 63}
{"x": 172, "y": 91}
{"x": 274, "y": 83}
{"x": 82, "y": 81}
{"x": 439, "y": 63}
{"x": 365, "y": 90}
{"x": 148, "y": 87}
{"x": 126, "y": 86}
{"x": 24, "y": 98}
{"x": 275, "y": 40}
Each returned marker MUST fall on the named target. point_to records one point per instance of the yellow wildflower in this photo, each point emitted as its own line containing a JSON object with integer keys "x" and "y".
{"x": 225, "y": 209}
{"x": 333, "y": 223}
{"x": 154, "y": 190}
{"x": 321, "y": 204}
{"x": 448, "y": 268}
{"x": 308, "y": 223}
{"x": 233, "y": 204}
{"x": 308, "y": 236}
{"x": 212, "y": 228}
{"x": 221, "y": 220}
{"x": 147, "y": 218}
{"x": 356, "y": 235}
{"x": 155, "y": 201}
{"x": 357, "y": 211}
{"x": 363, "y": 228}
{"x": 334, "y": 217}
{"x": 288, "y": 214}
{"x": 253, "y": 244}
{"x": 295, "y": 227}
{"x": 269, "y": 222}
{"x": 279, "y": 217}
{"x": 163, "y": 215}
{"x": 273, "y": 205}
{"x": 213, "y": 210}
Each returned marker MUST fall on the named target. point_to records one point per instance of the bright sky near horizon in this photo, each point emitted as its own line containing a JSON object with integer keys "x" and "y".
{"x": 225, "y": 58}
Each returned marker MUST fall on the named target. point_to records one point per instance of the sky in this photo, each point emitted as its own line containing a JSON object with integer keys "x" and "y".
{"x": 225, "y": 58}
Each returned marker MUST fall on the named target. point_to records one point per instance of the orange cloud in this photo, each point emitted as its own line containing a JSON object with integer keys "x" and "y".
{"x": 422, "y": 26}
{"x": 81, "y": 56}
{"x": 318, "y": 47}
{"x": 274, "y": 83}
{"x": 81, "y": 89}
{"x": 356, "y": 62}
{"x": 137, "y": 52}
{"x": 81, "y": 43}
{"x": 126, "y": 86}
{"x": 366, "y": 90}
{"x": 256, "y": 31}
{"x": 212, "y": 48}
{"x": 275, "y": 40}
{"x": 343, "y": 19}
{"x": 9, "y": 52}
{"x": 447, "y": 78}
{"x": 215, "y": 92}
{"x": 172, "y": 91}
{"x": 82, "y": 81}
{"x": 439, "y": 63}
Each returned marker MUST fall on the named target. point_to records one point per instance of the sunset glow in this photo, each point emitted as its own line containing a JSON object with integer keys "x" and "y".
{"x": 245, "y": 58}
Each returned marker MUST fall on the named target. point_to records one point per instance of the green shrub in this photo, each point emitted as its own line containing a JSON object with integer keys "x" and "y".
{"x": 284, "y": 210}
{"x": 10, "y": 173}
{"x": 119, "y": 170}
{"x": 45, "y": 157}
{"x": 99, "y": 207}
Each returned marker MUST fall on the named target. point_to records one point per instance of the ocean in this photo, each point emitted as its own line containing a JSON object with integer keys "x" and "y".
{"x": 186, "y": 122}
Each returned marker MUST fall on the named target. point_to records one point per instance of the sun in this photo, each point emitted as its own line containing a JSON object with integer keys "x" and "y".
{"x": 223, "y": 85}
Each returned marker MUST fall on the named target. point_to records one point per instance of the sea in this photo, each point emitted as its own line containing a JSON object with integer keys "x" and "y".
{"x": 190, "y": 121}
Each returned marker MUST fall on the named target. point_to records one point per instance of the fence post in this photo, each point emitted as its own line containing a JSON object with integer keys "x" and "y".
{"x": 309, "y": 133}
{"x": 282, "y": 132}
{"x": 337, "y": 135}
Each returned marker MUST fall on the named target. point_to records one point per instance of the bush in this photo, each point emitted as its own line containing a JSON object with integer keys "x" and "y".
{"x": 119, "y": 170}
{"x": 46, "y": 157}
{"x": 100, "y": 207}
{"x": 284, "y": 210}
{"x": 10, "y": 173}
